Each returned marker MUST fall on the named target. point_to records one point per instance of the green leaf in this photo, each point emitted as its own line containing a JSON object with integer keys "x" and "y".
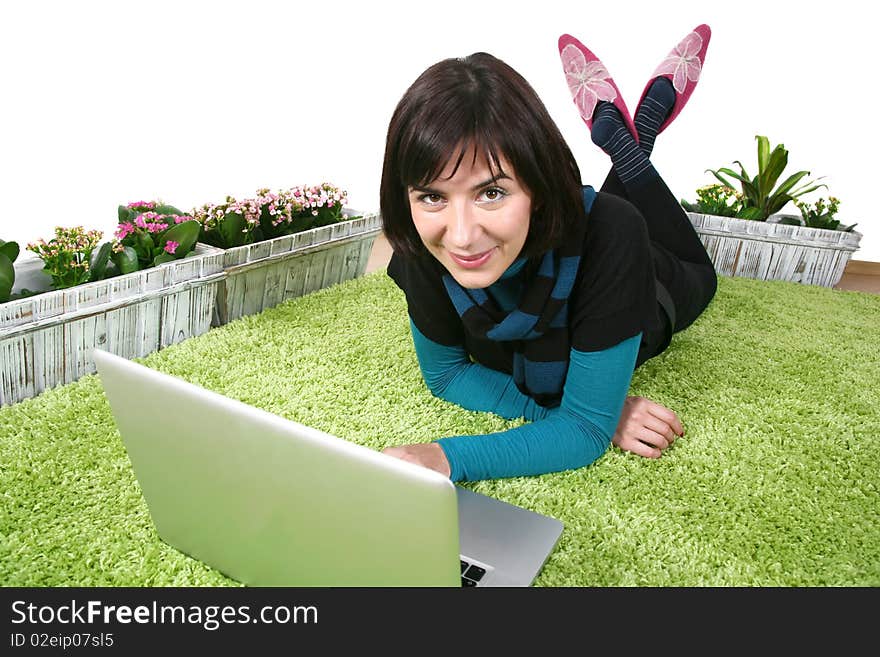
{"x": 724, "y": 180}
{"x": 743, "y": 171}
{"x": 9, "y": 249}
{"x": 729, "y": 172}
{"x": 749, "y": 186}
{"x": 98, "y": 262}
{"x": 775, "y": 203}
{"x": 775, "y": 165}
{"x": 232, "y": 228}
{"x": 163, "y": 258}
{"x": 806, "y": 189}
{"x": 112, "y": 271}
{"x": 167, "y": 209}
{"x": 790, "y": 182}
{"x": 144, "y": 246}
{"x": 763, "y": 152}
{"x": 212, "y": 237}
{"x": 266, "y": 230}
{"x": 185, "y": 234}
{"x": 125, "y": 215}
{"x": 301, "y": 222}
{"x": 126, "y": 261}
{"x": 750, "y": 213}
{"x": 7, "y": 277}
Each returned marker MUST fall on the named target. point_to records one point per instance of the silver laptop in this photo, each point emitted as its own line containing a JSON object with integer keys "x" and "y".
{"x": 271, "y": 502}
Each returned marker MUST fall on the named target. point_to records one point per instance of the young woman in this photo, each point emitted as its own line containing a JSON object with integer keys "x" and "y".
{"x": 529, "y": 294}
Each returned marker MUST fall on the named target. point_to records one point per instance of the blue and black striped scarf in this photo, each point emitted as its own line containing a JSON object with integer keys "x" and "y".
{"x": 538, "y": 327}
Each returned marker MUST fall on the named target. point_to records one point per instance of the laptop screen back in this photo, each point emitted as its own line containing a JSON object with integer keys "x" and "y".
{"x": 271, "y": 502}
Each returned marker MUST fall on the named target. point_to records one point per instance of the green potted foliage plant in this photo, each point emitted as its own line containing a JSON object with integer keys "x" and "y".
{"x": 745, "y": 234}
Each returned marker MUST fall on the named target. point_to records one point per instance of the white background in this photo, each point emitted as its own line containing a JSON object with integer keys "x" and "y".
{"x": 105, "y": 103}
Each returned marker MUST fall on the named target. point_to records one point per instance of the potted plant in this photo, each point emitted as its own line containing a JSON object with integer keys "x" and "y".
{"x": 150, "y": 287}
{"x": 283, "y": 244}
{"x": 67, "y": 257}
{"x": 150, "y": 234}
{"x": 745, "y": 234}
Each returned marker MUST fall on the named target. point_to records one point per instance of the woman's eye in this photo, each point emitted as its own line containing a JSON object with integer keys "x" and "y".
{"x": 430, "y": 199}
{"x": 493, "y": 194}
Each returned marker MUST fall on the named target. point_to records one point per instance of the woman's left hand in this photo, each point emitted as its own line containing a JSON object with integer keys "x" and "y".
{"x": 427, "y": 455}
{"x": 646, "y": 428}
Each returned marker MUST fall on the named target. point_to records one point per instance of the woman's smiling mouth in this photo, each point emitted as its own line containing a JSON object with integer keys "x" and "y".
{"x": 472, "y": 261}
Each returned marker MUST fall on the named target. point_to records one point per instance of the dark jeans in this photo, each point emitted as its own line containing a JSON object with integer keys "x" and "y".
{"x": 681, "y": 264}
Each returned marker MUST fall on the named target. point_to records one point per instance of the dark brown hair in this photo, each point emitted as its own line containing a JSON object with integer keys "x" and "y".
{"x": 478, "y": 101}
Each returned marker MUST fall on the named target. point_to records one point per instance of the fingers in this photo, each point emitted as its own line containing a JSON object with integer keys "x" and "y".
{"x": 666, "y": 416}
{"x": 647, "y": 428}
{"x": 630, "y": 444}
{"x": 653, "y": 438}
{"x": 644, "y": 442}
{"x": 656, "y": 432}
{"x": 654, "y": 412}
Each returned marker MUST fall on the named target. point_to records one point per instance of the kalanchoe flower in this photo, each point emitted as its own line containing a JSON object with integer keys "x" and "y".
{"x": 66, "y": 256}
{"x": 124, "y": 230}
{"x": 145, "y": 233}
{"x": 142, "y": 205}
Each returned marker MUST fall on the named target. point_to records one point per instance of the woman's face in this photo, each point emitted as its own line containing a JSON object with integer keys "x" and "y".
{"x": 473, "y": 223}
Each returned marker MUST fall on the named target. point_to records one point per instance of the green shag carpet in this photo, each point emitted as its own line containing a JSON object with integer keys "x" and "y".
{"x": 774, "y": 484}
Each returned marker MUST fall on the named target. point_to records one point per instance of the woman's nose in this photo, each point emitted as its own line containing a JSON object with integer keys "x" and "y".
{"x": 462, "y": 225}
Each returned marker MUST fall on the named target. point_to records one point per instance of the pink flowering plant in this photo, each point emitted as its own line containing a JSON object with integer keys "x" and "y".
{"x": 228, "y": 224}
{"x": 325, "y": 203}
{"x": 67, "y": 257}
{"x": 270, "y": 214}
{"x": 151, "y": 233}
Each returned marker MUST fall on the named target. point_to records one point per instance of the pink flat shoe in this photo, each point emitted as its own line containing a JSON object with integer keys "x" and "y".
{"x": 589, "y": 82}
{"x": 682, "y": 67}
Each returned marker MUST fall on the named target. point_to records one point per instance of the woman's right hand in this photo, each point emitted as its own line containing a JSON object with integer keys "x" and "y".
{"x": 646, "y": 428}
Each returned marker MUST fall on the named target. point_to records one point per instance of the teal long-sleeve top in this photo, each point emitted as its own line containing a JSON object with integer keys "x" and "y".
{"x": 571, "y": 435}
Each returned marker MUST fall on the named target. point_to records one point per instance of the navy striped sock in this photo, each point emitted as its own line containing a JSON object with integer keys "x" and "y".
{"x": 652, "y": 112}
{"x": 610, "y": 134}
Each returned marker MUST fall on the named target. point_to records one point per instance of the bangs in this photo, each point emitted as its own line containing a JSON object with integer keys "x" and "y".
{"x": 432, "y": 143}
